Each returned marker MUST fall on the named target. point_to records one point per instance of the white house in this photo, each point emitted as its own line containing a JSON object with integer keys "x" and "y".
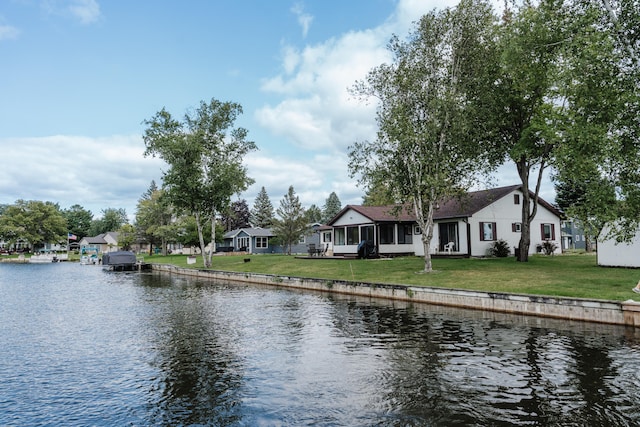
{"x": 613, "y": 254}
{"x": 102, "y": 243}
{"x": 463, "y": 226}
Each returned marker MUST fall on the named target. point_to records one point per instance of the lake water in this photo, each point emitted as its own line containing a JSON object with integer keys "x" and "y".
{"x": 80, "y": 346}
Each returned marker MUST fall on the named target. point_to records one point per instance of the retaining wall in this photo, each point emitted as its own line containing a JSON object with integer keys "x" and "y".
{"x": 601, "y": 311}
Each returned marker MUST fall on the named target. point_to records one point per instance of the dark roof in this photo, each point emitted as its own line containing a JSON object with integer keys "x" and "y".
{"x": 252, "y": 232}
{"x": 462, "y": 206}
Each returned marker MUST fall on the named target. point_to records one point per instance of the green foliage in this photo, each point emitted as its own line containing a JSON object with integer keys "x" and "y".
{"x": 126, "y": 236}
{"x": 291, "y": 223}
{"x": 236, "y": 216}
{"x": 500, "y": 249}
{"x": 549, "y": 247}
{"x": 154, "y": 218}
{"x": 262, "y": 212}
{"x": 331, "y": 207}
{"x": 429, "y": 143}
{"x": 205, "y": 154}
{"x": 313, "y": 214}
{"x": 34, "y": 222}
{"x": 78, "y": 220}
{"x": 112, "y": 219}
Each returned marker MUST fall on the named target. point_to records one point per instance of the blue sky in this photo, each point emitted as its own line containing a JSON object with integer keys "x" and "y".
{"x": 78, "y": 78}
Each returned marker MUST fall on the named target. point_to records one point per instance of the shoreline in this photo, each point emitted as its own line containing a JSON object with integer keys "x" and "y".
{"x": 626, "y": 313}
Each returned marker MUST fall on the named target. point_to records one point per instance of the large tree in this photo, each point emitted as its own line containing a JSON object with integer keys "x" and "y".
{"x": 332, "y": 206}
{"x": 236, "y": 216}
{"x": 291, "y": 223}
{"x": 78, "y": 220}
{"x": 602, "y": 127}
{"x": 33, "y": 221}
{"x": 204, "y": 153}
{"x": 112, "y": 219}
{"x": 154, "y": 218}
{"x": 261, "y": 214}
{"x": 428, "y": 145}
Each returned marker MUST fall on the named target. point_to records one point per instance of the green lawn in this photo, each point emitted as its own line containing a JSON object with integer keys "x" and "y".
{"x": 566, "y": 275}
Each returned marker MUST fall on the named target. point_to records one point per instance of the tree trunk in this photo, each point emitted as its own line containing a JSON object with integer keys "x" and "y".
{"x": 212, "y": 248}
{"x": 201, "y": 239}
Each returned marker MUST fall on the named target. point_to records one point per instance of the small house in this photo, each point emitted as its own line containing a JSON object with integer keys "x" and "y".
{"x": 467, "y": 226}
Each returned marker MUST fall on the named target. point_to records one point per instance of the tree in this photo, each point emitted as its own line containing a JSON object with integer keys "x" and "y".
{"x": 112, "y": 219}
{"x": 291, "y": 223}
{"x": 314, "y": 214}
{"x": 429, "y": 145}
{"x": 236, "y": 216}
{"x": 126, "y": 236}
{"x": 331, "y": 207}
{"x": 78, "y": 220}
{"x": 262, "y": 212}
{"x": 378, "y": 195}
{"x": 33, "y": 221}
{"x": 153, "y": 218}
{"x": 204, "y": 154}
{"x": 576, "y": 199}
{"x": 602, "y": 126}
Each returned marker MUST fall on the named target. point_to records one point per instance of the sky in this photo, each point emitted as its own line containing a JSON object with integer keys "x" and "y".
{"x": 79, "y": 77}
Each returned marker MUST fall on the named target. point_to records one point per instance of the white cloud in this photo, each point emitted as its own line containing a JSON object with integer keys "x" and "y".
{"x": 7, "y": 32}
{"x": 304, "y": 19}
{"x": 96, "y": 173}
{"x": 87, "y": 11}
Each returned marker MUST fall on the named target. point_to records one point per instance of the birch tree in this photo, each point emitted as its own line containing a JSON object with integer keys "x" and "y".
{"x": 204, "y": 154}
{"x": 429, "y": 143}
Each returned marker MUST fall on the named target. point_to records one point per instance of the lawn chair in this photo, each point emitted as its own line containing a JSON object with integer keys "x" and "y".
{"x": 312, "y": 249}
{"x": 449, "y": 247}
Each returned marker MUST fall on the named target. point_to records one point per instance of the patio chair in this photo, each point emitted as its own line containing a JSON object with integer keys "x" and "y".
{"x": 311, "y": 249}
{"x": 449, "y": 247}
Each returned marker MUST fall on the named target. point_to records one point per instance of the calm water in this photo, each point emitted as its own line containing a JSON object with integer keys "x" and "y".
{"x": 80, "y": 346}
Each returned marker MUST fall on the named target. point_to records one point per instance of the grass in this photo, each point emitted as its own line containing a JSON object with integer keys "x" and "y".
{"x": 570, "y": 275}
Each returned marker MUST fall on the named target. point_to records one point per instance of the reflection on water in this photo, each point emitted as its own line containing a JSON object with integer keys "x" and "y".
{"x": 81, "y": 346}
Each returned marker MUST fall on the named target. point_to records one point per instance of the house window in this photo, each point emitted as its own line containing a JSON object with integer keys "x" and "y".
{"x": 516, "y": 199}
{"x": 301, "y": 240}
{"x": 326, "y": 236}
{"x": 387, "y": 234}
{"x": 339, "y": 233}
{"x": 516, "y": 227}
{"x": 262, "y": 242}
{"x": 353, "y": 236}
{"x": 405, "y": 234}
{"x": 548, "y": 231}
{"x": 416, "y": 229}
{"x": 488, "y": 231}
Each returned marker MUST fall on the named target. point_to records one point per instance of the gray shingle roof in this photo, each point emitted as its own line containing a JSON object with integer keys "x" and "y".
{"x": 462, "y": 206}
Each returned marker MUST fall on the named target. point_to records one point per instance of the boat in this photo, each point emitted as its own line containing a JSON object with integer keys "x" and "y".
{"x": 89, "y": 259}
{"x": 47, "y": 257}
{"x": 120, "y": 261}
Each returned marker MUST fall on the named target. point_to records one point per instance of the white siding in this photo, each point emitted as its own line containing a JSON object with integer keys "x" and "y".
{"x": 612, "y": 254}
{"x": 504, "y": 212}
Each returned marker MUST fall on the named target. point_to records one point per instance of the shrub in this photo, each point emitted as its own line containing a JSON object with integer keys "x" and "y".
{"x": 500, "y": 248}
{"x": 549, "y": 247}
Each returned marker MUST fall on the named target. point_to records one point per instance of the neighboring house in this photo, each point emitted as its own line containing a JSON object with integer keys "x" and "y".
{"x": 256, "y": 241}
{"x": 102, "y": 243}
{"x": 463, "y": 226}
{"x": 573, "y": 235}
{"x": 252, "y": 240}
{"x": 613, "y": 254}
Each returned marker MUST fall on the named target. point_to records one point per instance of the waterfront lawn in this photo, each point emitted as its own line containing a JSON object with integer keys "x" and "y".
{"x": 575, "y": 275}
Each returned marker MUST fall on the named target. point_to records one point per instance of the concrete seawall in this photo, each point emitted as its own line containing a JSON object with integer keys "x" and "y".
{"x": 600, "y": 311}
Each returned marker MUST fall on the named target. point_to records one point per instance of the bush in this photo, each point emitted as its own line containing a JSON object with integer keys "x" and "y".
{"x": 500, "y": 248}
{"x": 549, "y": 247}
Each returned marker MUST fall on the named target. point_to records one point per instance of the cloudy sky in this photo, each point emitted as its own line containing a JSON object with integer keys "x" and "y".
{"x": 78, "y": 78}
